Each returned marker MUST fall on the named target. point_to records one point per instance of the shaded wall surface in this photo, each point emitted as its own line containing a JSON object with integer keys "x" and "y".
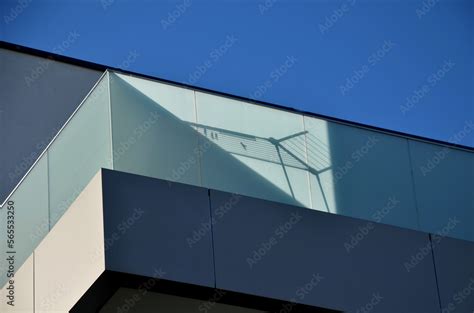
{"x": 277, "y": 250}
{"x": 147, "y": 222}
{"x": 37, "y": 97}
{"x": 455, "y": 268}
{"x": 318, "y": 258}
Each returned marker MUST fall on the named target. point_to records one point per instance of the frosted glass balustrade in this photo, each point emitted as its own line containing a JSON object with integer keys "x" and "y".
{"x": 81, "y": 149}
{"x": 248, "y": 154}
{"x": 444, "y": 184}
{"x": 236, "y": 146}
{"x": 360, "y": 173}
{"x": 152, "y": 134}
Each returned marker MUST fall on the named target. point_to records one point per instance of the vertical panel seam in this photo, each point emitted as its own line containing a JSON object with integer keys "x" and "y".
{"x": 110, "y": 120}
{"x": 212, "y": 238}
{"x": 48, "y": 185}
{"x": 199, "y": 155}
{"x": 435, "y": 271}
{"x": 105, "y": 205}
{"x": 412, "y": 177}
{"x": 34, "y": 283}
{"x": 307, "y": 163}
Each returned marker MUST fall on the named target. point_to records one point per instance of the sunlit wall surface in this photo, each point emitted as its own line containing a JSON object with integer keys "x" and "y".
{"x": 164, "y": 131}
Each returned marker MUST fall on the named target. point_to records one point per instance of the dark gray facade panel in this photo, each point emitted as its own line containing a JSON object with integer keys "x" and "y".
{"x": 37, "y": 97}
{"x": 454, "y": 261}
{"x": 290, "y": 253}
{"x": 149, "y": 226}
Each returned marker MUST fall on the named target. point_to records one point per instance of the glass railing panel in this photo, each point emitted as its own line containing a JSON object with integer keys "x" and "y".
{"x": 360, "y": 173}
{"x": 152, "y": 129}
{"x": 174, "y": 133}
{"x": 444, "y": 184}
{"x": 252, "y": 150}
{"x": 24, "y": 219}
{"x": 80, "y": 150}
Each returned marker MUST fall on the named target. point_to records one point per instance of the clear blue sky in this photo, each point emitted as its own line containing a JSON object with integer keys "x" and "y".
{"x": 357, "y": 60}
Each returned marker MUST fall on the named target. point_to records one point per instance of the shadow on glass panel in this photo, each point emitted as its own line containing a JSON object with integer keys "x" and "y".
{"x": 173, "y": 149}
{"x": 286, "y": 152}
{"x": 147, "y": 139}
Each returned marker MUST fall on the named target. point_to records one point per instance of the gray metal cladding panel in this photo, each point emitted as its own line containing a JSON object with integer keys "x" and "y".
{"x": 291, "y": 253}
{"x": 149, "y": 226}
{"x": 454, "y": 261}
{"x": 37, "y": 97}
